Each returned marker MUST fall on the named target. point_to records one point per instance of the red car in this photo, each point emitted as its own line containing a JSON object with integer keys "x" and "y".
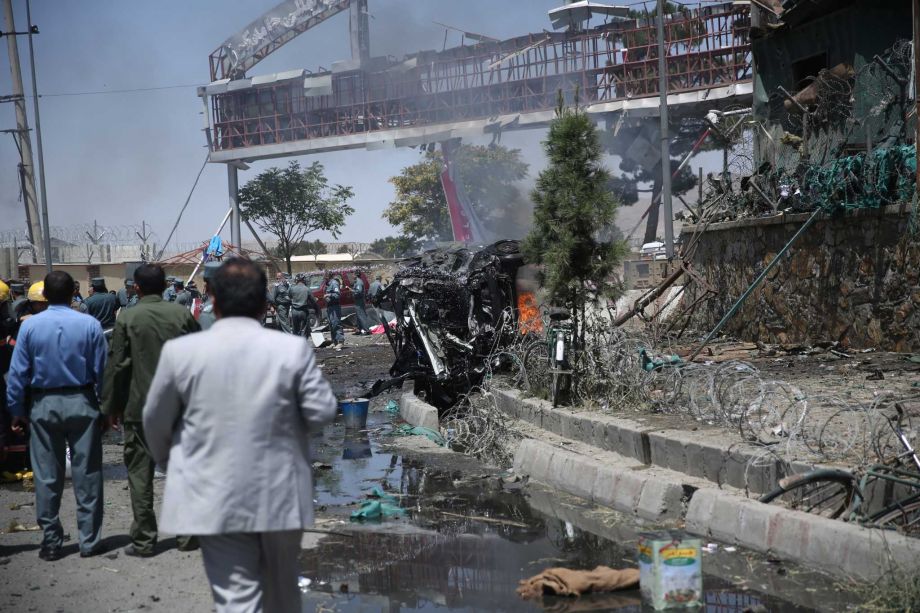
{"x": 316, "y": 281}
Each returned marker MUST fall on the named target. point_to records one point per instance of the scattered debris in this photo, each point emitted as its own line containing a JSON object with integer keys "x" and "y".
{"x": 567, "y": 582}
{"x": 15, "y": 526}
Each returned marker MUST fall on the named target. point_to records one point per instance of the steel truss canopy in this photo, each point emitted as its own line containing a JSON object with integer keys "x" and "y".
{"x": 572, "y": 15}
{"x": 485, "y": 88}
{"x": 266, "y": 34}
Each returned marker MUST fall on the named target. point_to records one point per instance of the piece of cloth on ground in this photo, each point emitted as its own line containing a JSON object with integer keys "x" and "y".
{"x": 381, "y": 506}
{"x": 410, "y": 430}
{"x": 568, "y": 582}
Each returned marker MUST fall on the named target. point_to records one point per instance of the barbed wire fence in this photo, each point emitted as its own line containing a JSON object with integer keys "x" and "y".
{"x": 837, "y": 143}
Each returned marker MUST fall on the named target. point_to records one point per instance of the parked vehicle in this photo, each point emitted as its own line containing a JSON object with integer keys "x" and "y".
{"x": 317, "y": 283}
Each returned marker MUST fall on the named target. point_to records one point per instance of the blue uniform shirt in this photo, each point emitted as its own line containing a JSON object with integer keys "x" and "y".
{"x": 56, "y": 348}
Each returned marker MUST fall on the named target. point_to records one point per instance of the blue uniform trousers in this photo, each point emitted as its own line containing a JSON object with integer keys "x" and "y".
{"x": 57, "y": 420}
{"x": 334, "y": 315}
{"x": 361, "y": 316}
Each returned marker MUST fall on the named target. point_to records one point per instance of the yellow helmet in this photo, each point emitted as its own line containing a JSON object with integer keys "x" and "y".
{"x": 4, "y": 291}
{"x": 37, "y": 292}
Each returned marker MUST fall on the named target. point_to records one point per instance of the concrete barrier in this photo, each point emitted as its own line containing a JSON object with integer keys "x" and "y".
{"x": 705, "y": 455}
{"x": 841, "y": 548}
{"x": 614, "y": 482}
{"x": 418, "y": 412}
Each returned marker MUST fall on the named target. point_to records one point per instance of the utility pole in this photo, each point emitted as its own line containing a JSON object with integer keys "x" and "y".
{"x": 22, "y": 137}
{"x": 233, "y": 188}
{"x": 916, "y": 45}
{"x": 665, "y": 138}
{"x": 46, "y": 234}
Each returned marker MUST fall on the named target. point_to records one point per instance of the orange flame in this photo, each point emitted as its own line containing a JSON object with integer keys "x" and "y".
{"x": 529, "y": 319}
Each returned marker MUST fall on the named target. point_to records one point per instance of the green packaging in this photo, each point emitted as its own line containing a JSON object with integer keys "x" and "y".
{"x": 670, "y": 570}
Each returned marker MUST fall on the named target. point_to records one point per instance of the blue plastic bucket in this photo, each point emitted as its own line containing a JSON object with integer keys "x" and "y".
{"x": 354, "y": 410}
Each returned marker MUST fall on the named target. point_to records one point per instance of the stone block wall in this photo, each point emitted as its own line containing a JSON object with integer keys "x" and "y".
{"x": 852, "y": 278}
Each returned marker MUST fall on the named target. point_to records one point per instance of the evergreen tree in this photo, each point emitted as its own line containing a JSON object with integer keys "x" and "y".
{"x": 573, "y": 212}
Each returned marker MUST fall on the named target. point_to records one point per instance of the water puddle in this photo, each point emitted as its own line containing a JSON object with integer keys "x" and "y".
{"x": 470, "y": 537}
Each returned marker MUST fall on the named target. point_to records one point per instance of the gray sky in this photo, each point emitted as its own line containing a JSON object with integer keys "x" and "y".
{"x": 125, "y": 157}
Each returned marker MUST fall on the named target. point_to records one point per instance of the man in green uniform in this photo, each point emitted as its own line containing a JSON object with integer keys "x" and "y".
{"x": 281, "y": 300}
{"x": 302, "y": 302}
{"x": 126, "y": 295}
{"x": 183, "y": 296}
{"x": 101, "y": 304}
{"x": 139, "y": 335}
{"x": 207, "y": 318}
{"x": 358, "y": 292}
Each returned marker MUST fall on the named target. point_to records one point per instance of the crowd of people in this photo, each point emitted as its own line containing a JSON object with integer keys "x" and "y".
{"x": 232, "y": 433}
{"x": 292, "y": 301}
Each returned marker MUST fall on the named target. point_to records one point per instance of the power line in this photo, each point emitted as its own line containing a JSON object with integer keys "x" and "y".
{"x": 179, "y": 218}
{"x": 115, "y": 91}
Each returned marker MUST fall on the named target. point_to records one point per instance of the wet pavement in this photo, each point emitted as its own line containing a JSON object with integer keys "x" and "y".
{"x": 471, "y": 533}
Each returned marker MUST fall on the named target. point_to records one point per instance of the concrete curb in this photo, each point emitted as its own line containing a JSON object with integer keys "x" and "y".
{"x": 418, "y": 412}
{"x": 697, "y": 454}
{"x": 728, "y": 567}
{"x": 596, "y": 473}
{"x": 602, "y": 480}
{"x": 843, "y": 549}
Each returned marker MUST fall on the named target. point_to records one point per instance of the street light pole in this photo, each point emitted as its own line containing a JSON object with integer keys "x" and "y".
{"x": 46, "y": 231}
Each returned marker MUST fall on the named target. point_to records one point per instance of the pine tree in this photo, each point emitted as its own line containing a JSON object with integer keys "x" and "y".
{"x": 574, "y": 210}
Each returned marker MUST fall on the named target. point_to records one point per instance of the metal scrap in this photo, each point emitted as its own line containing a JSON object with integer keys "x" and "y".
{"x": 451, "y": 306}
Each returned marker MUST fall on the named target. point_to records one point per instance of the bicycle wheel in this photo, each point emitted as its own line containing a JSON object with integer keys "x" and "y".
{"x": 825, "y": 492}
{"x": 905, "y": 519}
{"x": 561, "y": 387}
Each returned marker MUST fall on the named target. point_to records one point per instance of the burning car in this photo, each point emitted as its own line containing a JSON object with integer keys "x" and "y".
{"x": 453, "y": 308}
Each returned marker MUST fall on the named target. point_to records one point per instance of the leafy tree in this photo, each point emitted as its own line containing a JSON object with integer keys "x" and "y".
{"x": 420, "y": 207}
{"x": 487, "y": 175}
{"x": 291, "y": 202}
{"x": 394, "y": 246}
{"x": 573, "y": 209}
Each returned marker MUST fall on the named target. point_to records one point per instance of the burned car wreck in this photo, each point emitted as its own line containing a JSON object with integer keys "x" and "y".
{"x": 453, "y": 308}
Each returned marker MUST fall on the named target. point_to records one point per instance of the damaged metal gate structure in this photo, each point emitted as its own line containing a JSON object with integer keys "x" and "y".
{"x": 453, "y": 308}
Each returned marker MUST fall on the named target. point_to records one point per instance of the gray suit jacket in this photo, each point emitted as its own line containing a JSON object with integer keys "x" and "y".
{"x": 232, "y": 409}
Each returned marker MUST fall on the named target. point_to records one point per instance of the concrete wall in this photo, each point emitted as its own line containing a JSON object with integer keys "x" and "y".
{"x": 114, "y": 274}
{"x": 854, "y": 278}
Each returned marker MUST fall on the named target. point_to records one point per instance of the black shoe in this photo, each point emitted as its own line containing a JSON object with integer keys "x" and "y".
{"x": 193, "y": 546}
{"x": 134, "y": 552}
{"x": 95, "y": 551}
{"x": 50, "y": 554}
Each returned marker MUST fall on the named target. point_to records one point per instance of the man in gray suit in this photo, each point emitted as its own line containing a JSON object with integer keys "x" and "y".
{"x": 236, "y": 434}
